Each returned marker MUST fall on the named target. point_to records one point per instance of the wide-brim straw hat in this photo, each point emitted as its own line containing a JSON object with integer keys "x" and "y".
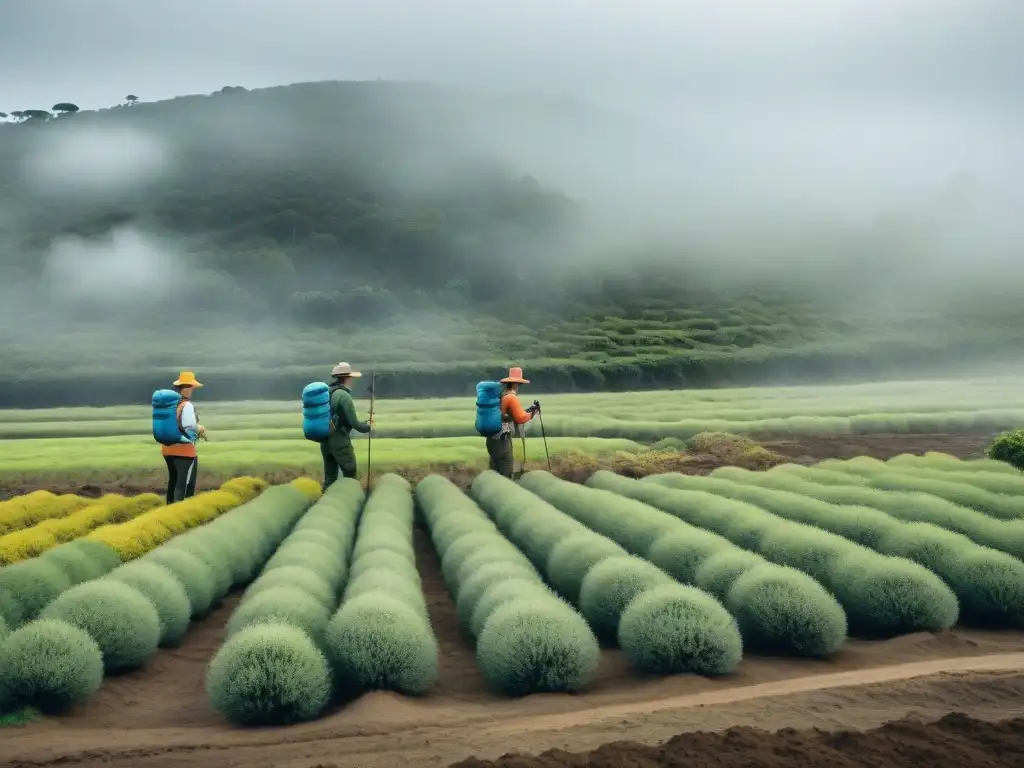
{"x": 344, "y": 369}
{"x": 187, "y": 379}
{"x": 515, "y": 376}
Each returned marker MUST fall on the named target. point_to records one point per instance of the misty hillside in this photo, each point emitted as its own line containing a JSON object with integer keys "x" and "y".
{"x": 425, "y": 228}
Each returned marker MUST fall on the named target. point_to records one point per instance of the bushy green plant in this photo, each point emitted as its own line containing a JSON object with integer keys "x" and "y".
{"x": 878, "y": 474}
{"x": 165, "y": 591}
{"x": 680, "y": 554}
{"x": 83, "y": 559}
{"x": 285, "y": 605}
{"x": 379, "y": 642}
{"x": 540, "y": 645}
{"x": 780, "y": 609}
{"x": 30, "y": 585}
{"x": 671, "y": 628}
{"x": 322, "y": 559}
{"x": 573, "y": 557}
{"x": 305, "y": 579}
{"x": 193, "y": 573}
{"x": 533, "y": 645}
{"x": 269, "y": 674}
{"x": 610, "y": 586}
{"x": 891, "y": 596}
{"x": 856, "y": 575}
{"x": 272, "y": 668}
{"x": 383, "y": 558}
{"x": 501, "y": 592}
{"x": 50, "y": 665}
{"x": 388, "y": 581}
{"x": 1008, "y": 447}
{"x": 988, "y": 584}
{"x": 121, "y": 620}
{"x": 1004, "y": 535}
{"x": 475, "y": 581}
{"x": 718, "y": 573}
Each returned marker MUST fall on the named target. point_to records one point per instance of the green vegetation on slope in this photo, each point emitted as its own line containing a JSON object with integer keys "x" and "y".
{"x": 391, "y": 223}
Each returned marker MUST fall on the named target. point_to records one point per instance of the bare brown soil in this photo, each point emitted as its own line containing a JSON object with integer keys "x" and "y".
{"x": 806, "y": 450}
{"x": 159, "y": 717}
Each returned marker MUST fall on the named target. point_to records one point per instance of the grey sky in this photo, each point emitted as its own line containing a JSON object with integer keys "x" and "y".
{"x": 943, "y": 54}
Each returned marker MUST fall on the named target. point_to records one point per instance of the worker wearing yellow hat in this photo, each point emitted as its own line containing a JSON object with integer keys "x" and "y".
{"x": 182, "y": 458}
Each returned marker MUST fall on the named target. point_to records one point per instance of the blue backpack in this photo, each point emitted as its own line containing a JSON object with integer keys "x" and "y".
{"x": 316, "y": 411}
{"x": 166, "y": 429}
{"x": 488, "y": 408}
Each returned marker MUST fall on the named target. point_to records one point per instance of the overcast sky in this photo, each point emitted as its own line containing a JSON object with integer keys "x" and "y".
{"x": 941, "y": 54}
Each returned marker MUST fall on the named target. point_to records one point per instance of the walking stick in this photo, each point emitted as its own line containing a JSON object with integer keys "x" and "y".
{"x": 369, "y": 437}
{"x": 544, "y": 435}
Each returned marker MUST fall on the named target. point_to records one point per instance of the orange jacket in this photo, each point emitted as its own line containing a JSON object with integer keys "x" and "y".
{"x": 513, "y": 409}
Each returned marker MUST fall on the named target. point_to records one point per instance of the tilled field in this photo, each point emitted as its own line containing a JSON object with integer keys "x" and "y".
{"x": 159, "y": 715}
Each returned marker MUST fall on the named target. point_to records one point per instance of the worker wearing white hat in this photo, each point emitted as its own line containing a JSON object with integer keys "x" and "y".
{"x": 337, "y": 450}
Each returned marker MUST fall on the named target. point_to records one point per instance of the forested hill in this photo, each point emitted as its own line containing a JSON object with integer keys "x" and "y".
{"x": 411, "y": 226}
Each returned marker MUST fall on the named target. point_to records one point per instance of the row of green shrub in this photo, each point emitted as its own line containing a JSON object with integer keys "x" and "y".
{"x": 28, "y": 586}
{"x": 963, "y": 472}
{"x": 1004, "y": 535}
{"x": 273, "y": 666}
{"x": 881, "y": 595}
{"x": 381, "y": 636}
{"x": 776, "y": 609}
{"x": 118, "y": 621}
{"x": 528, "y": 640}
{"x": 662, "y": 626}
{"x": 944, "y": 461}
{"x": 873, "y": 473}
{"x": 988, "y": 584}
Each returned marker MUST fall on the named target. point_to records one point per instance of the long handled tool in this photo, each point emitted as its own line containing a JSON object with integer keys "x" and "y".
{"x": 369, "y": 437}
{"x": 544, "y": 435}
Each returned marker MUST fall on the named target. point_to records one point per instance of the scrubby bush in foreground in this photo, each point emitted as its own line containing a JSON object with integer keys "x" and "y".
{"x": 988, "y": 584}
{"x": 381, "y": 636}
{"x": 50, "y": 665}
{"x": 269, "y": 674}
{"x": 230, "y": 549}
{"x": 1004, "y": 535}
{"x": 121, "y": 620}
{"x": 809, "y": 620}
{"x": 880, "y": 595}
{"x": 272, "y": 667}
{"x": 527, "y": 639}
{"x": 164, "y": 590}
{"x": 609, "y": 587}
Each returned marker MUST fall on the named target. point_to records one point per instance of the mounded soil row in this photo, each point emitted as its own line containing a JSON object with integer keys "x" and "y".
{"x": 955, "y": 741}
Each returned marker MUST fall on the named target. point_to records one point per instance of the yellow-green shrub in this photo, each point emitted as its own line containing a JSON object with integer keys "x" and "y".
{"x": 25, "y": 511}
{"x": 246, "y": 488}
{"x": 29, "y": 542}
{"x": 309, "y": 487}
{"x": 148, "y": 530}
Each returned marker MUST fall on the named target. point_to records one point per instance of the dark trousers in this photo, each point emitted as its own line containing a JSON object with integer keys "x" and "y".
{"x": 502, "y": 459}
{"x": 182, "y": 472}
{"x": 337, "y": 458}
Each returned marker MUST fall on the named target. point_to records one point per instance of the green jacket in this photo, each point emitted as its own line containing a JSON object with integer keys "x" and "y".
{"x": 343, "y": 412}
